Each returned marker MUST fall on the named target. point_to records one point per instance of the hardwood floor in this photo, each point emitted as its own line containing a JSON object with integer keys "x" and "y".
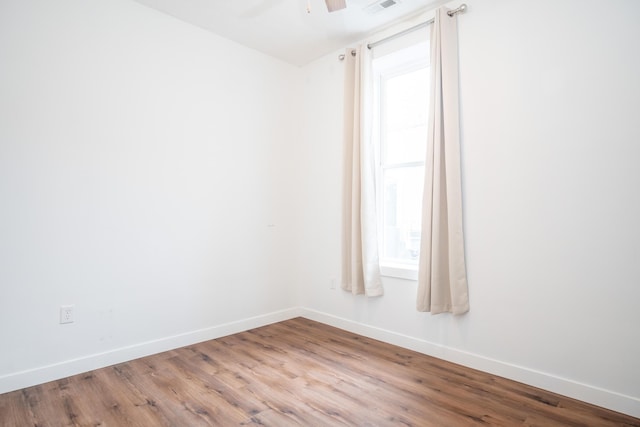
{"x": 292, "y": 373}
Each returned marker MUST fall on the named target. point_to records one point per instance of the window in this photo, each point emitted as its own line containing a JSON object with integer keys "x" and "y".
{"x": 401, "y": 102}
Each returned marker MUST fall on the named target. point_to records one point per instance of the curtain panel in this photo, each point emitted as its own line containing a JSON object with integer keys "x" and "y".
{"x": 442, "y": 278}
{"x": 360, "y": 259}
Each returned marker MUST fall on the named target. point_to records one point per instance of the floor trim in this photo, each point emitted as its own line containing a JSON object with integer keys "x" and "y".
{"x": 40, "y": 375}
{"x": 587, "y": 393}
{"x": 605, "y": 398}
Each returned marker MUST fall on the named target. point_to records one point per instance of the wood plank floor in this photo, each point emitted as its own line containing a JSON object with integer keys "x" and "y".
{"x": 293, "y": 373}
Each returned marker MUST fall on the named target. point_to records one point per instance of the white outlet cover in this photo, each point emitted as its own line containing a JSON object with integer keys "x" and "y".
{"x": 66, "y": 314}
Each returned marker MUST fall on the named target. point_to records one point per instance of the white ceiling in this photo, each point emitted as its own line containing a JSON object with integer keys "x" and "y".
{"x": 283, "y": 28}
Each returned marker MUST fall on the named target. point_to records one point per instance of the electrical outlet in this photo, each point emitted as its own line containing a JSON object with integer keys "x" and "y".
{"x": 333, "y": 283}
{"x": 66, "y": 314}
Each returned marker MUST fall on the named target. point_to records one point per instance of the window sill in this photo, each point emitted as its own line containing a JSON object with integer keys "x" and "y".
{"x": 400, "y": 271}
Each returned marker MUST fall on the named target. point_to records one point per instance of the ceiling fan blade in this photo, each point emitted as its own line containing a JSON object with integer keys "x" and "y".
{"x": 334, "y": 5}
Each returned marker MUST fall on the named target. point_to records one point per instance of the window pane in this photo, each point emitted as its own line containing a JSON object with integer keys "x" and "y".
{"x": 402, "y": 214}
{"x": 401, "y": 96}
{"x": 406, "y": 102}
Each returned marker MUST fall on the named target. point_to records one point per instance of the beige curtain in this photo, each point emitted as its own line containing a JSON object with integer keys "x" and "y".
{"x": 442, "y": 278}
{"x": 360, "y": 261}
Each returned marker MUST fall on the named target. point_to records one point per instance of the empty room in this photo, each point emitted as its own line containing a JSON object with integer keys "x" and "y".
{"x": 319, "y": 212}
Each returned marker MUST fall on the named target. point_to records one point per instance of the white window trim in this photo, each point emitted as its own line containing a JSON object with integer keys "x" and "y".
{"x": 399, "y": 271}
{"x": 388, "y": 268}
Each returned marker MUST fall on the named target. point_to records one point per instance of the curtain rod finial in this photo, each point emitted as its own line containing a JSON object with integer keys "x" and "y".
{"x": 341, "y": 56}
{"x": 460, "y": 9}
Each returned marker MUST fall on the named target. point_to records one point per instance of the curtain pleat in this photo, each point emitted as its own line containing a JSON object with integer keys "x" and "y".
{"x": 360, "y": 260}
{"x": 442, "y": 278}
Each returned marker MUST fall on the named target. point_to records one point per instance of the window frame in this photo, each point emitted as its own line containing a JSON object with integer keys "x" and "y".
{"x": 408, "y": 58}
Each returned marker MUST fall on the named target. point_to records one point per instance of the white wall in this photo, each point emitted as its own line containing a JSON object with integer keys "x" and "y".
{"x": 143, "y": 177}
{"x": 143, "y": 162}
{"x": 550, "y": 96}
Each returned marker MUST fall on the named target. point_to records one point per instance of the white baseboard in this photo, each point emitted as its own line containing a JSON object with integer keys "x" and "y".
{"x": 605, "y": 398}
{"x": 597, "y": 396}
{"x": 18, "y": 380}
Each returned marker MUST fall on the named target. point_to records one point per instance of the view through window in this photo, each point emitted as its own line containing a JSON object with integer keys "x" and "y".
{"x": 401, "y": 93}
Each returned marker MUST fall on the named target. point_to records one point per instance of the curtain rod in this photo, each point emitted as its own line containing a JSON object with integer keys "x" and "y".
{"x": 459, "y": 9}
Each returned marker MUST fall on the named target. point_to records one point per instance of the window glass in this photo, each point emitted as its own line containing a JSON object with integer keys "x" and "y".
{"x": 406, "y": 101}
{"x": 401, "y": 96}
{"x": 401, "y": 213}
